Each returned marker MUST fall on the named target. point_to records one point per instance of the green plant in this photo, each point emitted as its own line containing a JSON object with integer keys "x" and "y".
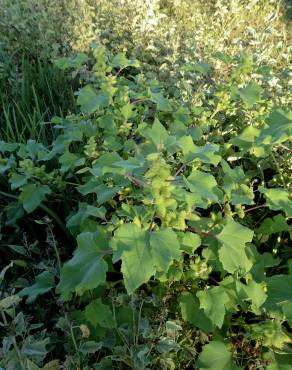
{"x": 180, "y": 216}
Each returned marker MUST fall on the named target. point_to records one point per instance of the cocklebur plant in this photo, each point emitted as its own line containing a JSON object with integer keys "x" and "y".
{"x": 168, "y": 200}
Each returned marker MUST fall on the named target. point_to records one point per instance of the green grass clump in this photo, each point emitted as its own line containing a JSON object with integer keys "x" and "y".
{"x": 31, "y": 93}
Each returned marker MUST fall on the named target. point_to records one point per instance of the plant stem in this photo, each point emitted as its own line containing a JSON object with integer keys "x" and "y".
{"x": 279, "y": 170}
{"x": 4, "y": 318}
{"x": 123, "y": 339}
{"x": 286, "y": 148}
{"x": 152, "y": 221}
{"x": 56, "y": 250}
{"x": 256, "y": 207}
{"x": 57, "y": 219}
{"x": 139, "y": 320}
{"x": 136, "y": 181}
{"x": 75, "y": 343}
{"x": 19, "y": 354}
{"x": 181, "y": 169}
{"x": 197, "y": 231}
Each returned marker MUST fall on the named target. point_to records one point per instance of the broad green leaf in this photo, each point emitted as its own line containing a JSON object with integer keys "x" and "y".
{"x": 174, "y": 273}
{"x": 156, "y": 134}
{"x": 204, "y": 186}
{"x": 131, "y": 245}
{"x": 242, "y": 194}
{"x": 17, "y": 180}
{"x": 9, "y": 301}
{"x": 207, "y": 154}
{"x": 279, "y": 294}
{"x": 182, "y": 115}
{"x": 71, "y": 62}
{"x": 202, "y": 68}
{"x": 287, "y": 311}
{"x": 235, "y": 185}
{"x": 69, "y": 161}
{"x": 251, "y": 94}
{"x": 128, "y": 166}
{"x": 89, "y": 347}
{"x": 89, "y": 186}
{"x": 32, "y": 195}
{"x": 35, "y": 349}
{"x": 105, "y": 193}
{"x": 143, "y": 253}
{"x": 232, "y": 175}
{"x": 98, "y": 313}
{"x": 85, "y": 211}
{"x": 215, "y": 356}
{"x": 280, "y": 118}
{"x": 91, "y": 101}
{"x": 192, "y": 313}
{"x": 8, "y": 147}
{"x": 178, "y": 129}
{"x": 253, "y": 292}
{"x": 213, "y": 302}
{"x": 271, "y": 334}
{"x": 6, "y": 163}
{"x": 232, "y": 253}
{"x": 31, "y": 149}
{"x": 14, "y": 211}
{"x": 112, "y": 143}
{"x": 260, "y": 263}
{"x": 278, "y": 199}
{"x": 87, "y": 269}
{"x": 273, "y": 225}
{"x": 164, "y": 248}
{"x": 128, "y": 111}
{"x": 105, "y": 164}
{"x": 281, "y": 361}
{"x": 246, "y": 139}
{"x": 166, "y": 345}
{"x": 18, "y": 249}
{"x": 192, "y": 152}
{"x": 162, "y": 103}
{"x": 229, "y": 285}
{"x": 121, "y": 61}
{"x": 52, "y": 365}
{"x": 43, "y": 283}
{"x": 190, "y": 242}
{"x": 277, "y": 130}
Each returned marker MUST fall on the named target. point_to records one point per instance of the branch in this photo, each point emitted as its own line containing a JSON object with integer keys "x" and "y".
{"x": 256, "y": 207}
{"x": 181, "y": 169}
{"x": 285, "y": 147}
{"x": 200, "y": 232}
{"x": 136, "y": 181}
{"x": 152, "y": 222}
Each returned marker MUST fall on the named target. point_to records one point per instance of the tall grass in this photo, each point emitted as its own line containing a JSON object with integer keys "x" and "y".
{"x": 31, "y": 92}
